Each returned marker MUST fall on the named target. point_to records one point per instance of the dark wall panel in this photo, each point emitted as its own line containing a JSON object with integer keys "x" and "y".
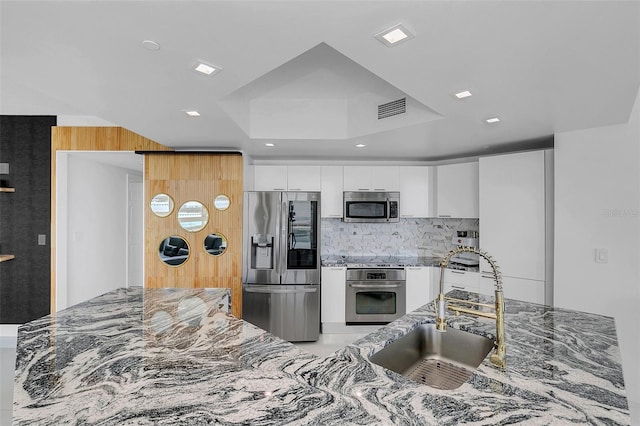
{"x": 25, "y": 143}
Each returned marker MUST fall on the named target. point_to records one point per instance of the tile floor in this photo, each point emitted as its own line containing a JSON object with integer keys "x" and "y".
{"x": 328, "y": 343}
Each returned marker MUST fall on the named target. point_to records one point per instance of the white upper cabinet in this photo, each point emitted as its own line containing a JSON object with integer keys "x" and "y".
{"x": 385, "y": 178}
{"x": 357, "y": 178}
{"x": 332, "y": 188}
{"x": 458, "y": 190}
{"x": 414, "y": 191}
{"x": 371, "y": 178}
{"x": 304, "y": 178}
{"x": 270, "y": 178}
{"x": 287, "y": 178}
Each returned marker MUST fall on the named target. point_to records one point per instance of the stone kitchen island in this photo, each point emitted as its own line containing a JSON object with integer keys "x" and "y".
{"x": 176, "y": 357}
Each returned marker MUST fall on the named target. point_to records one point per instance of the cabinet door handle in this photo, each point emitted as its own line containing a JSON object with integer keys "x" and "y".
{"x": 453, "y": 271}
{"x": 444, "y": 215}
{"x": 295, "y": 189}
{"x": 337, "y": 269}
{"x": 458, "y": 287}
{"x": 363, "y": 189}
{"x": 379, "y": 189}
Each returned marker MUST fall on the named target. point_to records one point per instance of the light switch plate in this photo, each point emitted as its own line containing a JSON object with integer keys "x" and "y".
{"x": 602, "y": 255}
{"x": 42, "y": 240}
{"x": 4, "y": 168}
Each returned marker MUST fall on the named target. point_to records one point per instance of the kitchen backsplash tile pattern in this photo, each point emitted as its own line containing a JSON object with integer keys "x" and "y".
{"x": 408, "y": 237}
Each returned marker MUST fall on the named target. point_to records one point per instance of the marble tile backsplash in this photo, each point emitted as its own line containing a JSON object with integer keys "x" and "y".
{"x": 409, "y": 237}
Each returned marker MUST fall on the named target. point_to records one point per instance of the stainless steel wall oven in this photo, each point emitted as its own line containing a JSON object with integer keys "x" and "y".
{"x": 375, "y": 296}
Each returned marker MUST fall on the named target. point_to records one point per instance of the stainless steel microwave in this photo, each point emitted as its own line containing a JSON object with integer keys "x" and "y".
{"x": 365, "y": 206}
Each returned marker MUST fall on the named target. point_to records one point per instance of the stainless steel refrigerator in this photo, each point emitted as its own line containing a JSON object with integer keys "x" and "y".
{"x": 281, "y": 265}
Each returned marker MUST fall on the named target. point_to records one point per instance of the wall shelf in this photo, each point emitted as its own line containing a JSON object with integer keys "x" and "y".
{"x": 5, "y": 189}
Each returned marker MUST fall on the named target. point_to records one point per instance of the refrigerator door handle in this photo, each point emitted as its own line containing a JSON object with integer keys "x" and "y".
{"x": 256, "y": 289}
{"x": 284, "y": 236}
{"x": 277, "y": 246}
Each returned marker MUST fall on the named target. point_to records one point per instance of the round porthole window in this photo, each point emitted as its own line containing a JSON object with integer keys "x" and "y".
{"x": 221, "y": 202}
{"x": 161, "y": 205}
{"x": 193, "y": 216}
{"x": 215, "y": 244}
{"x": 173, "y": 250}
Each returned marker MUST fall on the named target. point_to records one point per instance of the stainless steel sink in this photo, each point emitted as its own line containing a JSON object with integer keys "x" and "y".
{"x": 440, "y": 360}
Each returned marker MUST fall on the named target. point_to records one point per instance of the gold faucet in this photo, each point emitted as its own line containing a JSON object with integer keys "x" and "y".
{"x": 498, "y": 357}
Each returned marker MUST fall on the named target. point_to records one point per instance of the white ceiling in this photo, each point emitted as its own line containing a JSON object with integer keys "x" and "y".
{"x": 541, "y": 66}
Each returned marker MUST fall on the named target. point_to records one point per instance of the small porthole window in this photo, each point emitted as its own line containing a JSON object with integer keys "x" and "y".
{"x": 221, "y": 202}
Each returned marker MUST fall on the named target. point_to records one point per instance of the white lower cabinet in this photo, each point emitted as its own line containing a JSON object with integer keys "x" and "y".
{"x": 516, "y": 288}
{"x": 418, "y": 287}
{"x": 487, "y": 283}
{"x": 461, "y": 280}
{"x": 468, "y": 281}
{"x": 523, "y": 289}
{"x": 332, "y": 295}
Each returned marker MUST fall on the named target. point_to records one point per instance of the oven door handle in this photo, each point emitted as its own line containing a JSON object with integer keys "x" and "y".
{"x": 374, "y": 286}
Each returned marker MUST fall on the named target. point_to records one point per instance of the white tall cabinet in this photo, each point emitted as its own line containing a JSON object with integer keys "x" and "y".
{"x": 516, "y": 225}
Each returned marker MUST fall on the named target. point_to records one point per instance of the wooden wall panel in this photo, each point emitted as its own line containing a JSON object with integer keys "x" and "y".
{"x": 196, "y": 177}
{"x": 88, "y": 139}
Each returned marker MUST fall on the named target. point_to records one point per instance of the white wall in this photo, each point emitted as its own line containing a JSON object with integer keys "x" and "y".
{"x": 96, "y": 234}
{"x": 597, "y": 205}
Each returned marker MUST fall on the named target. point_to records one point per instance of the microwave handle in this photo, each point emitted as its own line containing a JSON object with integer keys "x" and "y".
{"x": 388, "y": 209}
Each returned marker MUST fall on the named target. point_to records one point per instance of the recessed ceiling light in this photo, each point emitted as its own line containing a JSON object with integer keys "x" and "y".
{"x": 463, "y": 94}
{"x": 206, "y": 69}
{"x": 192, "y": 113}
{"x": 394, "y": 35}
{"x": 150, "y": 45}
{"x": 360, "y": 145}
{"x": 269, "y": 144}
{"x": 492, "y": 120}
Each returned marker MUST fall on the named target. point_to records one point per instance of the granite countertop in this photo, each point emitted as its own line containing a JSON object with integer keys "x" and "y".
{"x": 374, "y": 261}
{"x": 115, "y": 360}
{"x": 391, "y": 262}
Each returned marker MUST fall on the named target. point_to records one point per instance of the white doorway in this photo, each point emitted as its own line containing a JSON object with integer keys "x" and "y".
{"x": 135, "y": 246}
{"x": 99, "y": 229}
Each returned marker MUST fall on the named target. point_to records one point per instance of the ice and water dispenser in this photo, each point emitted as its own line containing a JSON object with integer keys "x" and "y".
{"x": 262, "y": 251}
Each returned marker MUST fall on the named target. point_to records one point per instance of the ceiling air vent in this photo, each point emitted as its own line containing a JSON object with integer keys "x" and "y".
{"x": 392, "y": 108}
